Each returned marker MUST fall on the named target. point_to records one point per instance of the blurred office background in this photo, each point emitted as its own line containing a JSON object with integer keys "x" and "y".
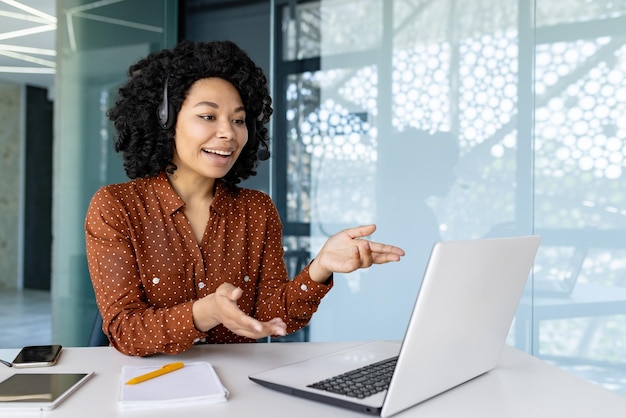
{"x": 437, "y": 120}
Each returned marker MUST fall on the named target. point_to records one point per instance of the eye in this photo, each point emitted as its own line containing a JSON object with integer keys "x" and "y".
{"x": 239, "y": 121}
{"x": 207, "y": 117}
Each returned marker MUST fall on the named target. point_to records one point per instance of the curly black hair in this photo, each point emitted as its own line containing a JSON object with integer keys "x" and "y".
{"x": 147, "y": 146}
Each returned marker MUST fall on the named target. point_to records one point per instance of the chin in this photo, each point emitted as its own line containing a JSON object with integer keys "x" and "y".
{"x": 216, "y": 174}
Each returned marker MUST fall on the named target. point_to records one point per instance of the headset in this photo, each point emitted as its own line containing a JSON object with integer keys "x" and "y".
{"x": 165, "y": 114}
{"x": 165, "y": 111}
{"x": 263, "y": 153}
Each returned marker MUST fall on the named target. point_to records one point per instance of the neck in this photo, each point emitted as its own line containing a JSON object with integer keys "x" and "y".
{"x": 192, "y": 189}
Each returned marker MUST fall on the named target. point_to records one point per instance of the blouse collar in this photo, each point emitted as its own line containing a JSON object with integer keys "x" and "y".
{"x": 171, "y": 202}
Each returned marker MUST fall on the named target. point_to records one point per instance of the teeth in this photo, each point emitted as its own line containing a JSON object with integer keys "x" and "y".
{"x": 218, "y": 152}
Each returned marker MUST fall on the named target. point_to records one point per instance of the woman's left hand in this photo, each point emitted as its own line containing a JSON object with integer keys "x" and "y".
{"x": 347, "y": 251}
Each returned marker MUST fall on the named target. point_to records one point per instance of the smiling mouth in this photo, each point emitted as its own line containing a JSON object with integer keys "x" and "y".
{"x": 218, "y": 152}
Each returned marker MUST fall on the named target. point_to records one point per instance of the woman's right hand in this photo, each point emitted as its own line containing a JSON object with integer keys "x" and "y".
{"x": 221, "y": 308}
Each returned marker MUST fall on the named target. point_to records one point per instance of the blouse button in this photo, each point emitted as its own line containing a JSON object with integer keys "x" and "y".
{"x": 303, "y": 287}
{"x": 201, "y": 285}
{"x": 246, "y": 279}
{"x": 156, "y": 280}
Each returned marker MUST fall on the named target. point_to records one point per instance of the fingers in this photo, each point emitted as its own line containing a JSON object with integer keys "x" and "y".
{"x": 370, "y": 252}
{"x": 238, "y": 322}
{"x": 230, "y": 291}
{"x": 252, "y": 328}
{"x": 347, "y": 251}
{"x": 375, "y": 247}
{"x": 360, "y": 231}
{"x": 278, "y": 327}
{"x": 364, "y": 254}
{"x": 392, "y": 250}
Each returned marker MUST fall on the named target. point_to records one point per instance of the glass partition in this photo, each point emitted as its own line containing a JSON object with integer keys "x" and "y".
{"x": 96, "y": 41}
{"x": 454, "y": 120}
{"x": 580, "y": 205}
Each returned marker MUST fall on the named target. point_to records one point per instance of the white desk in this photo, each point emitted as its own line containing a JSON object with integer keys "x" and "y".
{"x": 522, "y": 386}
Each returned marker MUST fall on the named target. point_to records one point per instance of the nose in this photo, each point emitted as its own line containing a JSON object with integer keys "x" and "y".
{"x": 225, "y": 131}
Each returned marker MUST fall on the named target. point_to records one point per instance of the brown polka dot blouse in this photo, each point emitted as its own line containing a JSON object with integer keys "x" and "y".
{"x": 147, "y": 268}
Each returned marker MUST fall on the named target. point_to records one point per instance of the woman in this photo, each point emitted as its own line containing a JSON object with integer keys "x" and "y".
{"x": 180, "y": 254}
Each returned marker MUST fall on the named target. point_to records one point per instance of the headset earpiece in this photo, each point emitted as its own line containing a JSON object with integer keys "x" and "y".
{"x": 262, "y": 153}
{"x": 165, "y": 111}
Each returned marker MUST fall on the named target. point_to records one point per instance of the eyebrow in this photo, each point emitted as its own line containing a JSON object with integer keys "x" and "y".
{"x": 216, "y": 106}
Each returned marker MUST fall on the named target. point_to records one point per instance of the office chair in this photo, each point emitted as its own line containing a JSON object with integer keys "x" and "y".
{"x": 97, "y": 337}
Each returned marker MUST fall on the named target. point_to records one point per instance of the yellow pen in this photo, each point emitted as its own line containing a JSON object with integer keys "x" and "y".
{"x": 158, "y": 372}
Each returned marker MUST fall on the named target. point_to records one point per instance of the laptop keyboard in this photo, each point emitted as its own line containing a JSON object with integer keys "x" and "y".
{"x": 362, "y": 382}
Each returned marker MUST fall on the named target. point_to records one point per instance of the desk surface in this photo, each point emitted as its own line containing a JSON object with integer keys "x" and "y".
{"x": 521, "y": 386}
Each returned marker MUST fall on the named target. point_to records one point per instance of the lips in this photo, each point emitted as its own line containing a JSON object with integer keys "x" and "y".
{"x": 222, "y": 153}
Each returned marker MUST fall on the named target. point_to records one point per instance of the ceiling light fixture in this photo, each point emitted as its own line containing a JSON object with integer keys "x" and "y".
{"x": 30, "y": 10}
{"x": 27, "y": 36}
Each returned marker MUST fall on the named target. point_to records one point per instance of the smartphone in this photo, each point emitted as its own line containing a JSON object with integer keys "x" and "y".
{"x": 38, "y": 356}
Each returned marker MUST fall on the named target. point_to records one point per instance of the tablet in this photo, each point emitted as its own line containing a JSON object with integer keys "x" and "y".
{"x": 39, "y": 390}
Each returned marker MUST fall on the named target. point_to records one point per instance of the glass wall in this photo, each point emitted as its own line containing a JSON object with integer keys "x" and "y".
{"x": 443, "y": 120}
{"x": 96, "y": 41}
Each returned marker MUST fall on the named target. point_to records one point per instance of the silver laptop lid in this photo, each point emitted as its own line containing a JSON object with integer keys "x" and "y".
{"x": 462, "y": 315}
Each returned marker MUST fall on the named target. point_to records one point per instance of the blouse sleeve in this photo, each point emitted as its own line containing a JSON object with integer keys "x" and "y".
{"x": 131, "y": 324}
{"x": 293, "y": 300}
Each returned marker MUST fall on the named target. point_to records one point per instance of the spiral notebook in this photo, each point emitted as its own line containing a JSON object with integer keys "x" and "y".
{"x": 195, "y": 383}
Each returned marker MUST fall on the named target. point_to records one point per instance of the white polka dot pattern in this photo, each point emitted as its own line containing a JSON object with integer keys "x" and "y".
{"x": 147, "y": 268}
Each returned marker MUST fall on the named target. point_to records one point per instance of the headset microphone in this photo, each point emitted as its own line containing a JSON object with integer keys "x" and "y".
{"x": 165, "y": 111}
{"x": 262, "y": 153}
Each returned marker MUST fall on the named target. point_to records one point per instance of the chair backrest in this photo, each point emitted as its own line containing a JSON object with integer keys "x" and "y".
{"x": 296, "y": 260}
{"x": 97, "y": 338}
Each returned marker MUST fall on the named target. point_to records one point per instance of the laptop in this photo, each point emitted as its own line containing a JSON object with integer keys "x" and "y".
{"x": 459, "y": 324}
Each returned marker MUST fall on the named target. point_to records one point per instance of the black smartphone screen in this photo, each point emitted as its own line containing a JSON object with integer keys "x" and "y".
{"x": 38, "y": 354}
